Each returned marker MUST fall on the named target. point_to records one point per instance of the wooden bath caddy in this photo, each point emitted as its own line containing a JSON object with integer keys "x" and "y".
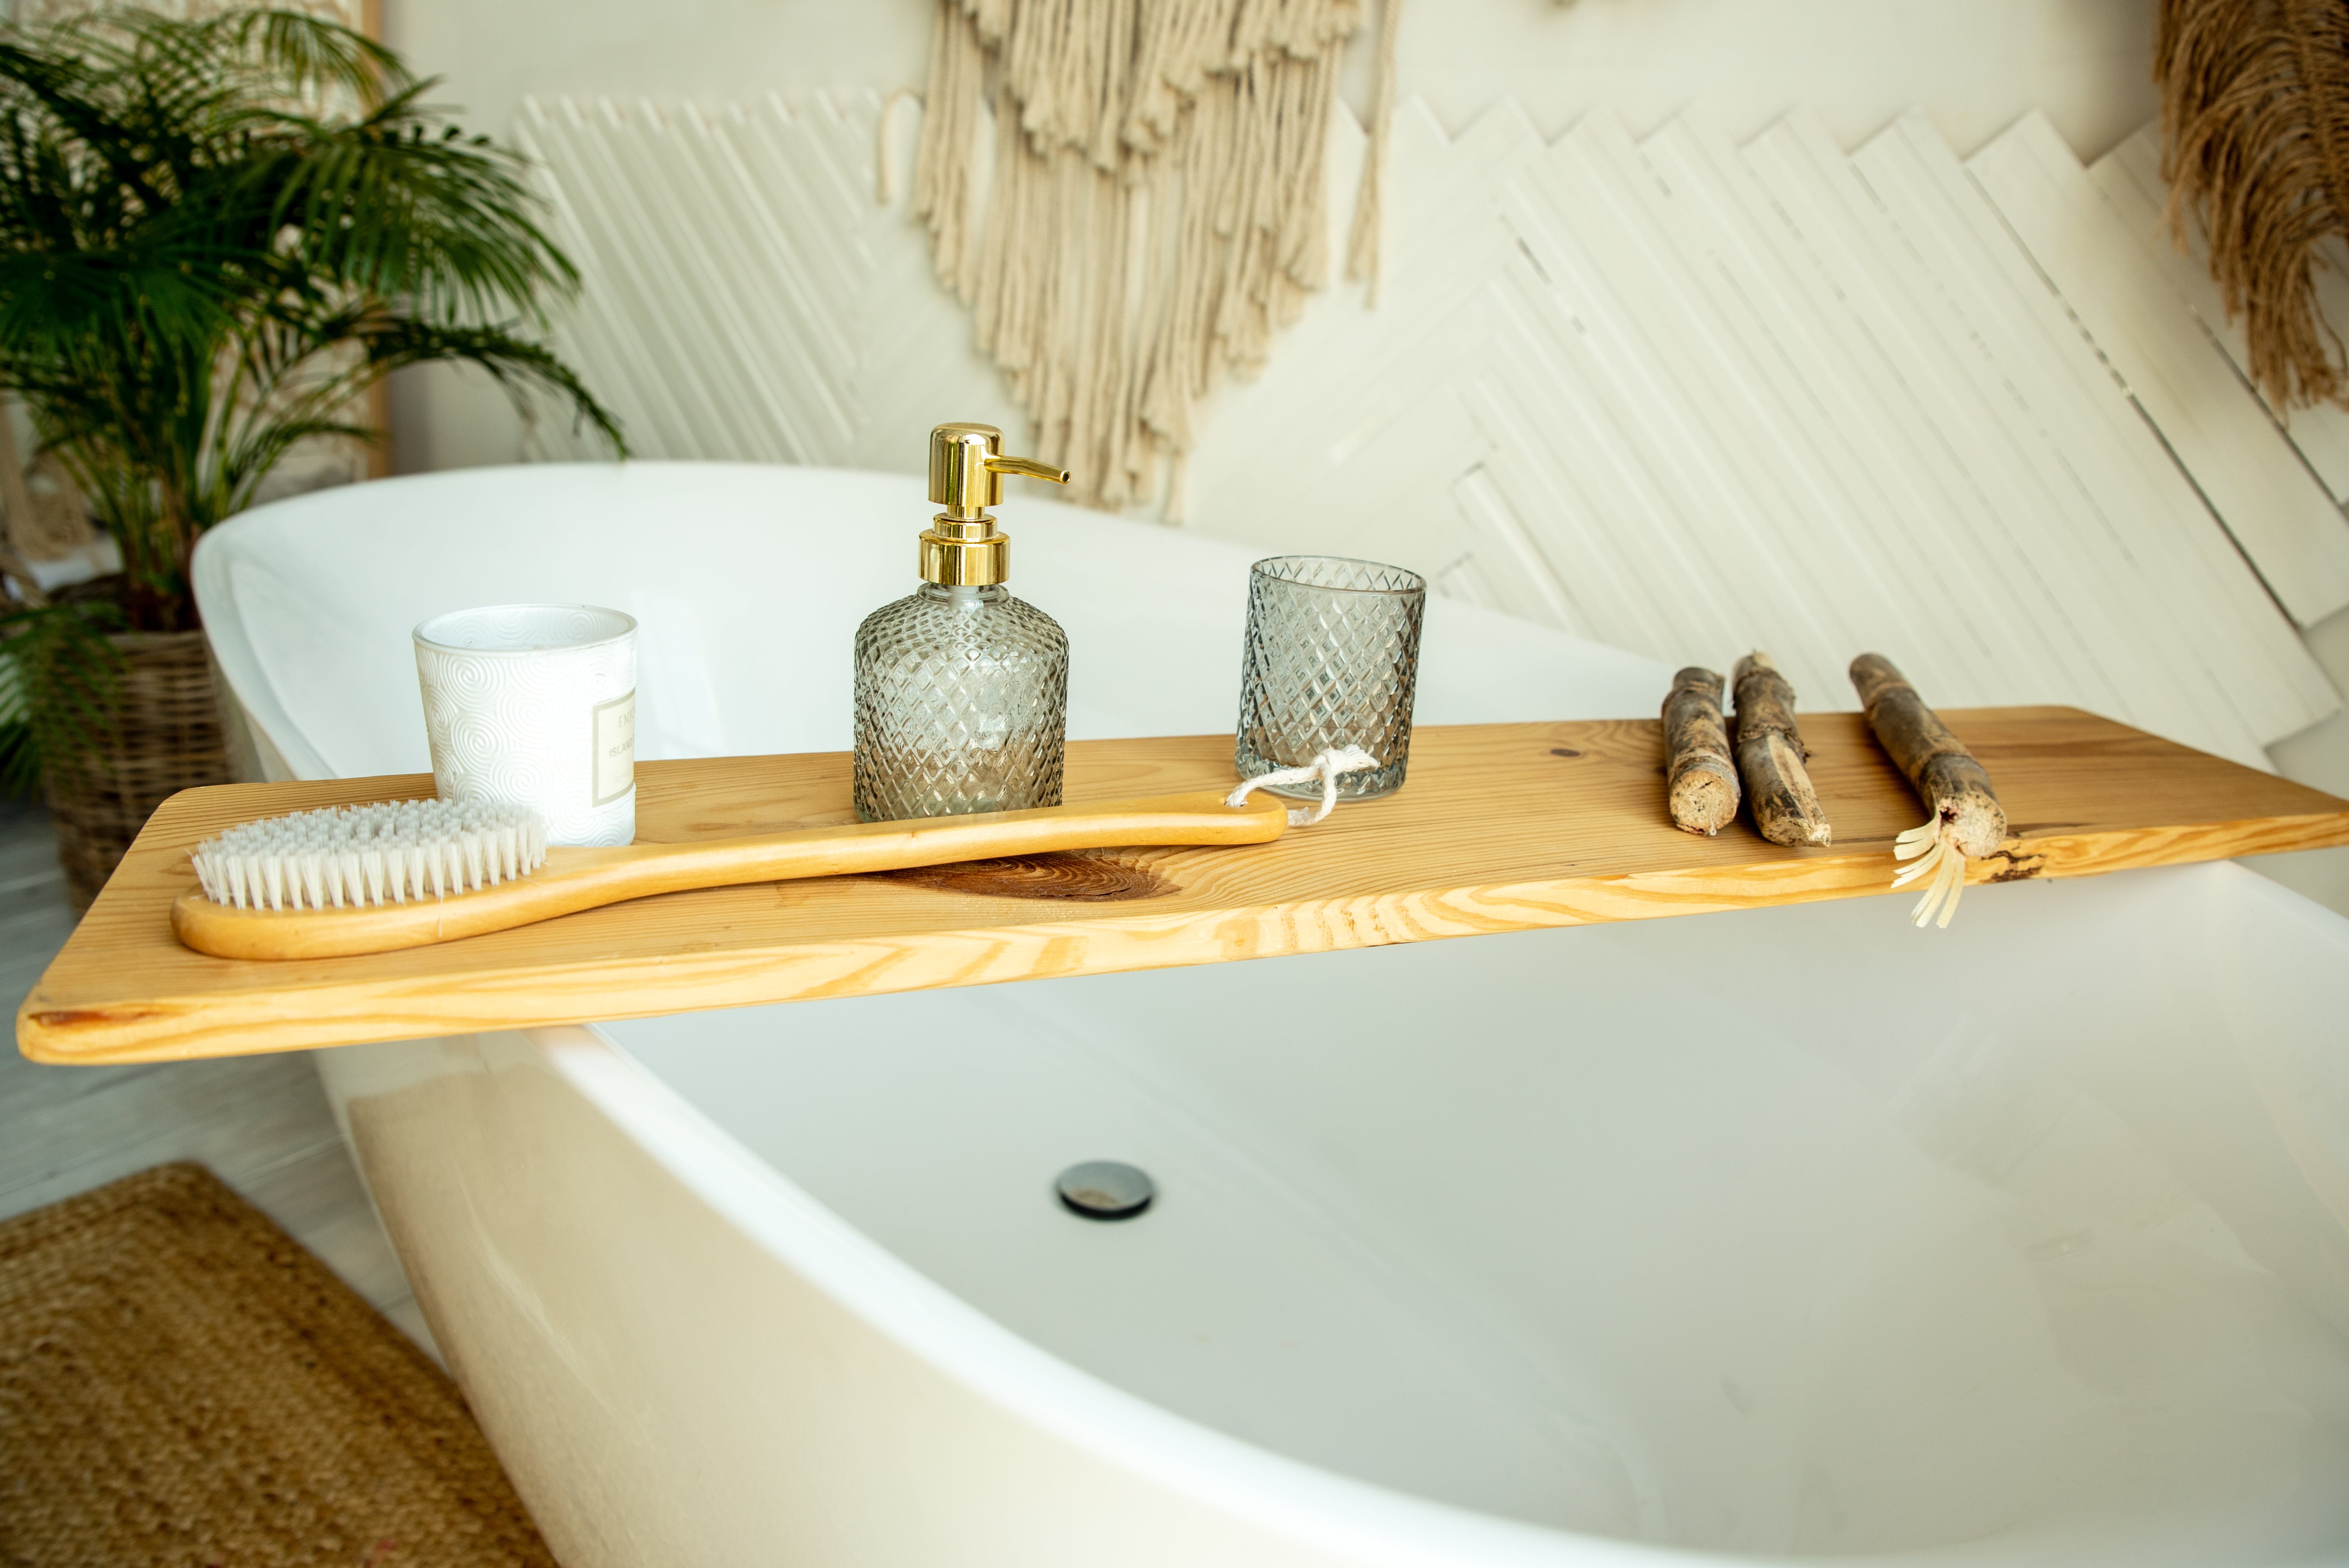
{"x": 1501, "y": 828}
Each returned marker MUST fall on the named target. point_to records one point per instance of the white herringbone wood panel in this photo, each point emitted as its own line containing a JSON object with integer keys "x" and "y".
{"x": 2130, "y": 177}
{"x": 2143, "y": 541}
{"x": 1678, "y": 396}
{"x": 746, "y": 294}
{"x": 2283, "y": 519}
{"x": 1733, "y": 399}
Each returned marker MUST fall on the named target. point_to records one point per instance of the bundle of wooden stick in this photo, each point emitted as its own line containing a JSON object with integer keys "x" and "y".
{"x": 1705, "y": 784}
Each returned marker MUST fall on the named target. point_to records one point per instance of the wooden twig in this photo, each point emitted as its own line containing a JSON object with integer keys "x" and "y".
{"x": 1770, "y": 755}
{"x": 1966, "y": 821}
{"x": 1700, "y": 783}
{"x": 1944, "y": 774}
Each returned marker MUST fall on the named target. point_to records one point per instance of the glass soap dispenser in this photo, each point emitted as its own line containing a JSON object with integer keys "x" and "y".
{"x": 962, "y": 691}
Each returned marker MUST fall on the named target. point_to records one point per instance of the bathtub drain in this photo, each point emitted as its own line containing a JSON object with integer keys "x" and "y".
{"x": 1105, "y": 1189}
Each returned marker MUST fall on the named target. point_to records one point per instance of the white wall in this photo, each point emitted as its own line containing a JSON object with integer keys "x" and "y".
{"x": 1973, "y": 65}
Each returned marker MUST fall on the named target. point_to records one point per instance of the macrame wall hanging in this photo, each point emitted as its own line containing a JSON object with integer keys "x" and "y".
{"x": 1155, "y": 212}
{"x": 2255, "y": 145}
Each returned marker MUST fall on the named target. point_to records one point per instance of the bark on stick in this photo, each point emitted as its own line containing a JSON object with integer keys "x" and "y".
{"x": 1946, "y": 777}
{"x": 1700, "y": 783}
{"x": 1770, "y": 754}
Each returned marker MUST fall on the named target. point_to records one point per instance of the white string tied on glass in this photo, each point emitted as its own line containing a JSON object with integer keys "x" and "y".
{"x": 1943, "y": 861}
{"x": 1325, "y": 766}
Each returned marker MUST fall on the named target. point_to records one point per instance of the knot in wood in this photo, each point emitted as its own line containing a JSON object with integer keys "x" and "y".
{"x": 1077, "y": 876}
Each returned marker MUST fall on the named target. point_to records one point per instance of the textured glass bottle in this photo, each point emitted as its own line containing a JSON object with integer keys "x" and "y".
{"x": 962, "y": 691}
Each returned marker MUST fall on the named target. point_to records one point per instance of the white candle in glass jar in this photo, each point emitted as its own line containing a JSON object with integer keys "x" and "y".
{"x": 536, "y": 705}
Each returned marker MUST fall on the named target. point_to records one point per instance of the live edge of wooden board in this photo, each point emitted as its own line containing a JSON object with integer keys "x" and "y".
{"x": 1501, "y": 828}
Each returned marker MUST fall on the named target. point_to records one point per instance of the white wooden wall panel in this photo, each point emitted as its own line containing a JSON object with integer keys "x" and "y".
{"x": 1814, "y": 514}
{"x": 1562, "y": 475}
{"x": 2129, "y": 175}
{"x": 1920, "y": 377}
{"x": 2036, "y": 394}
{"x": 1857, "y": 415}
{"x": 1351, "y": 440}
{"x": 1571, "y": 468}
{"x": 2141, "y": 544}
{"x": 746, "y": 294}
{"x": 1626, "y": 318}
{"x": 1875, "y": 368}
{"x": 2189, "y": 558}
{"x": 1759, "y": 317}
{"x": 2283, "y": 520}
{"x": 1678, "y": 396}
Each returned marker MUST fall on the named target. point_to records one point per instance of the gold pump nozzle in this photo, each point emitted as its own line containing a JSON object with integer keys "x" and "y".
{"x": 962, "y": 548}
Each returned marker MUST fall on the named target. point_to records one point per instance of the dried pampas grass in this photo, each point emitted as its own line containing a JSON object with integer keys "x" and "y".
{"x": 2255, "y": 145}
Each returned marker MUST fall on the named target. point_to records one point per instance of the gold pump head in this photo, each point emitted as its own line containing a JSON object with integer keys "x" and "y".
{"x": 962, "y": 549}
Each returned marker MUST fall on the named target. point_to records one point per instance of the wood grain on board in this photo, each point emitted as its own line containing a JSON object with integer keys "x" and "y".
{"x": 1500, "y": 828}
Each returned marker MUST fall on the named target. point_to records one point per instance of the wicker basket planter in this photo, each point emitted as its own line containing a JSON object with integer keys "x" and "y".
{"x": 169, "y": 739}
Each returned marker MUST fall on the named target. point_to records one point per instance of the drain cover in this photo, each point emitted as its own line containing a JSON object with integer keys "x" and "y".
{"x": 1105, "y": 1189}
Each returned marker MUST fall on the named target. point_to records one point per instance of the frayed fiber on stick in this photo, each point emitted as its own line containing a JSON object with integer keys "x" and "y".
{"x": 2255, "y": 146}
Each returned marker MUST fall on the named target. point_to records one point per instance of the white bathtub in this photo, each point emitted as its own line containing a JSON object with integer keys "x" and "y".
{"x": 1790, "y": 1233}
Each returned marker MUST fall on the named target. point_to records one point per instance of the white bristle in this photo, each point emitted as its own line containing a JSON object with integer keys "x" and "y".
{"x": 362, "y": 855}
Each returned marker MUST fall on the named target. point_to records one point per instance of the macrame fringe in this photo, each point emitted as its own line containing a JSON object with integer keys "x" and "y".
{"x": 1153, "y": 212}
{"x": 1362, "y": 242}
{"x": 2255, "y": 145}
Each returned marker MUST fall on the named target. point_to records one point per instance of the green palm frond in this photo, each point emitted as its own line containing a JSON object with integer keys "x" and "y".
{"x": 395, "y": 210}
{"x": 516, "y": 362}
{"x": 171, "y": 291}
{"x": 216, "y": 233}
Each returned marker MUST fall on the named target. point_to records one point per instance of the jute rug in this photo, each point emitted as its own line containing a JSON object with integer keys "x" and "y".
{"x": 181, "y": 1384}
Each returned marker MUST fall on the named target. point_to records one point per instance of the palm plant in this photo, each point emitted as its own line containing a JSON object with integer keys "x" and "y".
{"x": 214, "y": 235}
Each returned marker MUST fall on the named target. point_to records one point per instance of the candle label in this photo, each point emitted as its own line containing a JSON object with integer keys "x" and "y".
{"x": 615, "y": 748}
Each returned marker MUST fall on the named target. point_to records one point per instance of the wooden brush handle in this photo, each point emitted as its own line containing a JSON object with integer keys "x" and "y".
{"x": 577, "y": 878}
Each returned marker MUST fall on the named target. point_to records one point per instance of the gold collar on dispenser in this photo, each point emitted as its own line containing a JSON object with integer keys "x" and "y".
{"x": 962, "y": 549}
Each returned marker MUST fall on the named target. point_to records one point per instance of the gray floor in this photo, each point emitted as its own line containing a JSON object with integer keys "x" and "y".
{"x": 261, "y": 1123}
